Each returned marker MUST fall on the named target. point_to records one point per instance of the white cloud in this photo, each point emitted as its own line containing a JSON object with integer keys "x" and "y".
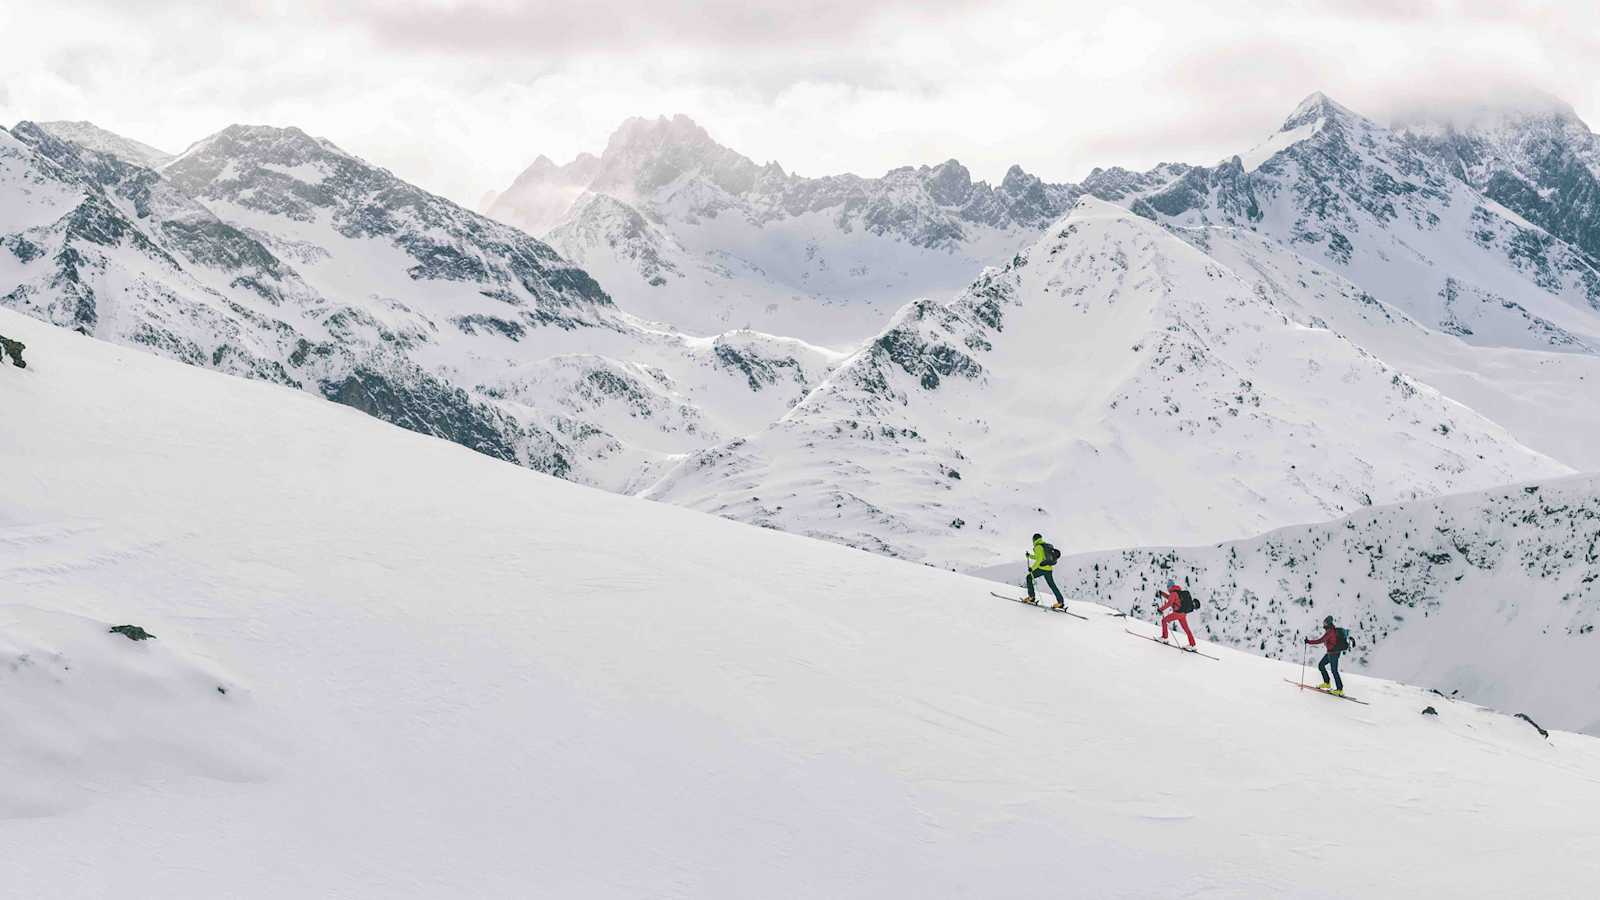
{"x": 459, "y": 95}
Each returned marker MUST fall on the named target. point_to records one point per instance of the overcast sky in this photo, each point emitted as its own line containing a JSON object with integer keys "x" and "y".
{"x": 460, "y": 95}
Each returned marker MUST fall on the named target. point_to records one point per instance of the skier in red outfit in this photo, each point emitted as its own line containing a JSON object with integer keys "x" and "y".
{"x": 1177, "y": 614}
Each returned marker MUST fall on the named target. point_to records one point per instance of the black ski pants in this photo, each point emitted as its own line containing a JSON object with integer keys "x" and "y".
{"x": 1049, "y": 579}
{"x": 1331, "y": 661}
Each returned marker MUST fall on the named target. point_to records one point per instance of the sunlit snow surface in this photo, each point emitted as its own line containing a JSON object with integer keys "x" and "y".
{"x": 1277, "y": 143}
{"x": 448, "y": 676}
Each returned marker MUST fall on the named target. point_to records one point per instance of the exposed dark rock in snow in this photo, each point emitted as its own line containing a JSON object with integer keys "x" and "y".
{"x": 14, "y": 350}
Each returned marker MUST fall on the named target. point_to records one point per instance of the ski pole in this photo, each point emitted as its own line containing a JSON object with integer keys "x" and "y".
{"x": 1304, "y": 652}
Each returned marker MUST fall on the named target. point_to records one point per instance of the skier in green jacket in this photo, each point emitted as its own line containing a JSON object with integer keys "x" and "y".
{"x": 1041, "y": 563}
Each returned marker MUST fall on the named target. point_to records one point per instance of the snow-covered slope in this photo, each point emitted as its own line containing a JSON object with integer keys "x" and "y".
{"x": 93, "y": 137}
{"x": 682, "y": 229}
{"x": 1494, "y": 594}
{"x": 1110, "y": 381}
{"x": 448, "y": 676}
{"x": 326, "y": 273}
{"x": 1527, "y": 391}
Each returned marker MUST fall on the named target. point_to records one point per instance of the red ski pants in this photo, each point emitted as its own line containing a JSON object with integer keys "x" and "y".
{"x": 1183, "y": 622}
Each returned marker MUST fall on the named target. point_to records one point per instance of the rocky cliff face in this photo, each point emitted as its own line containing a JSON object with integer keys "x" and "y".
{"x": 1538, "y": 160}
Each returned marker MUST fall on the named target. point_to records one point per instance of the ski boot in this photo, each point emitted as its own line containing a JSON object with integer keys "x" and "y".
{"x": 1323, "y": 686}
{"x": 1337, "y": 692}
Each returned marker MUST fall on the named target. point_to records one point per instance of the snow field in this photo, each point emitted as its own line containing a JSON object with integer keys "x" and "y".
{"x": 471, "y": 680}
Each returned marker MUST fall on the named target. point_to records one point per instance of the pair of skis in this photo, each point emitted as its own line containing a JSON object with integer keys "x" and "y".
{"x": 1173, "y": 646}
{"x": 1026, "y": 602}
{"x": 1312, "y": 687}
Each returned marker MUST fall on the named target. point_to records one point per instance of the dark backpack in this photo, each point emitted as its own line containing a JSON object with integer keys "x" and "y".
{"x": 1343, "y": 643}
{"x": 1187, "y": 603}
{"x": 1051, "y": 555}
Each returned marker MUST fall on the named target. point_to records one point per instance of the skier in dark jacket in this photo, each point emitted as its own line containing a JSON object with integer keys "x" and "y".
{"x": 1333, "y": 643}
{"x": 1040, "y": 567}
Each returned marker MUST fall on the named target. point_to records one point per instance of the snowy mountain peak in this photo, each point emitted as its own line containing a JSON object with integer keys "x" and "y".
{"x": 645, "y": 155}
{"x": 92, "y": 137}
{"x": 1531, "y": 154}
{"x": 642, "y": 132}
{"x": 949, "y": 183}
{"x": 1490, "y": 113}
{"x": 1318, "y": 107}
{"x": 262, "y": 143}
{"x": 545, "y": 167}
{"x": 1090, "y": 208}
{"x": 1524, "y": 131}
{"x": 543, "y": 193}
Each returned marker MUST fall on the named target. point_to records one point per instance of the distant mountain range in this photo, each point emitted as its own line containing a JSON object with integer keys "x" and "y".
{"x": 687, "y": 231}
{"x": 272, "y": 254}
{"x": 919, "y": 364}
{"x": 1179, "y": 377}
